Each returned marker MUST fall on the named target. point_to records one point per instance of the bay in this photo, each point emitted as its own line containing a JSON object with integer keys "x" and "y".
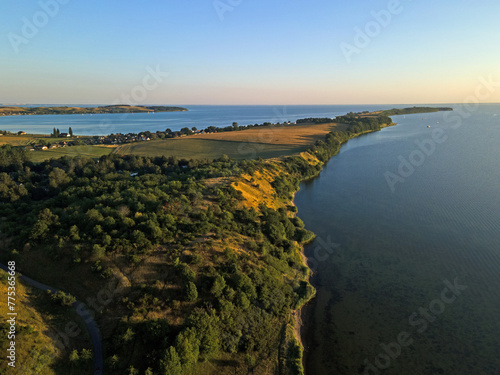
{"x": 387, "y": 253}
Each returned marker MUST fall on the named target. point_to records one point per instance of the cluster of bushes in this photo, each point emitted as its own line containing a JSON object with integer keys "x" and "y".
{"x": 62, "y": 298}
{"x": 357, "y": 124}
{"x": 12, "y": 156}
{"x": 314, "y": 120}
{"x": 96, "y": 207}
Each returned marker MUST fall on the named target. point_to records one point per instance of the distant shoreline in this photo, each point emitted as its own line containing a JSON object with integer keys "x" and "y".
{"x": 65, "y": 110}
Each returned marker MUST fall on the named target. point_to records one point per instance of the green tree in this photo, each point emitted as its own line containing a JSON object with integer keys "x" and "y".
{"x": 98, "y": 252}
{"x": 41, "y": 228}
{"x": 207, "y": 327}
{"x": 58, "y": 177}
{"x": 218, "y": 286}
{"x": 186, "y": 130}
{"x": 9, "y": 189}
{"x": 74, "y": 357}
{"x": 171, "y": 363}
{"x": 113, "y": 361}
{"x": 128, "y": 335}
{"x": 70, "y": 132}
{"x": 86, "y": 354}
{"x": 191, "y": 291}
{"x": 188, "y": 347}
{"x": 74, "y": 233}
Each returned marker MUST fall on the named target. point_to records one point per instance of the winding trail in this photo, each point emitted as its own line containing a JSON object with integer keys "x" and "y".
{"x": 84, "y": 313}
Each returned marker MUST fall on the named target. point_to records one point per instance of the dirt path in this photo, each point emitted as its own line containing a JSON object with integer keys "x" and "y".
{"x": 83, "y": 312}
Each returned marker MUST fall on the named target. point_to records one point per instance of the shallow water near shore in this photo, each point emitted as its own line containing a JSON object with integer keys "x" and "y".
{"x": 407, "y": 253}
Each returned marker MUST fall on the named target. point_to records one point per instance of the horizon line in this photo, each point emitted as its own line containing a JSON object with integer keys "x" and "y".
{"x": 163, "y": 104}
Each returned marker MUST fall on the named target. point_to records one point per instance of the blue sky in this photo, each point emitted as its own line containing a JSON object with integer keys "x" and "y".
{"x": 251, "y": 52}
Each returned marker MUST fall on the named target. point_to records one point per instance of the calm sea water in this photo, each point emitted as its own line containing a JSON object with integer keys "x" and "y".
{"x": 198, "y": 115}
{"x": 387, "y": 251}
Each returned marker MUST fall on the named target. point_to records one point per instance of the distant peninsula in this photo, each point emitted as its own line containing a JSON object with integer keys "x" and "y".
{"x": 120, "y": 108}
{"x": 412, "y": 110}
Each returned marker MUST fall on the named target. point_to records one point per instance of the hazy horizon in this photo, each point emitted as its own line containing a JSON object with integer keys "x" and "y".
{"x": 236, "y": 105}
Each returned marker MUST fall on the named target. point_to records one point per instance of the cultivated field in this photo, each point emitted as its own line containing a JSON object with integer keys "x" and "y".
{"x": 264, "y": 142}
{"x": 15, "y": 140}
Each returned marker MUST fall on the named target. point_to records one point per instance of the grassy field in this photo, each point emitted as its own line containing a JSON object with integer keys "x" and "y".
{"x": 265, "y": 142}
{"x": 33, "y": 333}
{"x": 16, "y": 140}
{"x": 43, "y": 344}
{"x": 88, "y": 151}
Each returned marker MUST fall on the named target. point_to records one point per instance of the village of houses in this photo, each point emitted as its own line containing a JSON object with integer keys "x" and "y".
{"x": 66, "y": 140}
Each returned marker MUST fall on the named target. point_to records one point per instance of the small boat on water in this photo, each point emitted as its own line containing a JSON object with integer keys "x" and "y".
{"x": 428, "y": 126}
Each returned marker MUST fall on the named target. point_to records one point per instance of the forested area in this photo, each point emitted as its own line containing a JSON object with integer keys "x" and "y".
{"x": 360, "y": 124}
{"x": 91, "y": 212}
{"x": 412, "y": 110}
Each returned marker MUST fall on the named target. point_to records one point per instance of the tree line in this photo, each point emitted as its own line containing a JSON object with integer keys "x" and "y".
{"x": 56, "y": 133}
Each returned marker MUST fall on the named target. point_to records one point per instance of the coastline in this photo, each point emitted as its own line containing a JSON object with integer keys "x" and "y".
{"x": 304, "y": 313}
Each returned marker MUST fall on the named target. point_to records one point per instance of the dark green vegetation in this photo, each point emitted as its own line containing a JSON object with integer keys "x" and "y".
{"x": 412, "y": 110}
{"x": 226, "y": 280}
{"x": 12, "y": 156}
{"x": 122, "y": 108}
{"x": 314, "y": 120}
{"x": 358, "y": 123}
